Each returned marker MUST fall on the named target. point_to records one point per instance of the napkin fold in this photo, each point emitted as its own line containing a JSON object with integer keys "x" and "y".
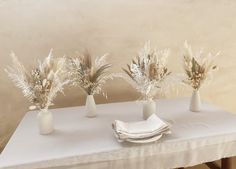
{"x": 145, "y": 131}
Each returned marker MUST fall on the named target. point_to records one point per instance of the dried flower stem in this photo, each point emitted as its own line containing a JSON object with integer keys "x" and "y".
{"x": 40, "y": 85}
{"x": 148, "y": 71}
{"x": 90, "y": 77}
{"x": 197, "y": 68}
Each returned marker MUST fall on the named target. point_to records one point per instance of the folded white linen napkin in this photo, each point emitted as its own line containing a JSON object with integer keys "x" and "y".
{"x": 143, "y": 131}
{"x": 139, "y": 140}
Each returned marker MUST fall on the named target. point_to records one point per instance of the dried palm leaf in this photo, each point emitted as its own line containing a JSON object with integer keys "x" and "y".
{"x": 90, "y": 77}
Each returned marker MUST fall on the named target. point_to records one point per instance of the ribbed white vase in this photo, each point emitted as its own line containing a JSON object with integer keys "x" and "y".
{"x": 45, "y": 122}
{"x": 195, "y": 104}
{"x": 149, "y": 108}
{"x": 90, "y": 106}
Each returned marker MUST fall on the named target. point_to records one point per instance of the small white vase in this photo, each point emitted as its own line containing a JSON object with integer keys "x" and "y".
{"x": 45, "y": 122}
{"x": 149, "y": 108}
{"x": 90, "y": 106}
{"x": 195, "y": 104}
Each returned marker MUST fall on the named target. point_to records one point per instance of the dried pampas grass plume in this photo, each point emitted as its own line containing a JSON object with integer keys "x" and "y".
{"x": 41, "y": 84}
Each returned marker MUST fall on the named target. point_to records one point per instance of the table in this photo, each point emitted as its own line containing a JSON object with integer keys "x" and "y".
{"x": 89, "y": 143}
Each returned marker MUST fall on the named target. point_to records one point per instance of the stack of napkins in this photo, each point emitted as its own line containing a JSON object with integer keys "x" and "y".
{"x": 146, "y": 131}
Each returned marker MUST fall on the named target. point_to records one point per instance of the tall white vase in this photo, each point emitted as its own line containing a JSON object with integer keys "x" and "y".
{"x": 149, "y": 108}
{"x": 45, "y": 122}
{"x": 90, "y": 106}
{"x": 195, "y": 104}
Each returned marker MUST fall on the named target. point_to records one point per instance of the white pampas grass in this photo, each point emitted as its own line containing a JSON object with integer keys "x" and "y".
{"x": 40, "y": 85}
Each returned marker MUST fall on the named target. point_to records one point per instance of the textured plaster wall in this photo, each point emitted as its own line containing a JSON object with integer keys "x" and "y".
{"x": 119, "y": 27}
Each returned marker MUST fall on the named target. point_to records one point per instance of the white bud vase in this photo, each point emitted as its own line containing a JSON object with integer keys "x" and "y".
{"x": 195, "y": 104}
{"x": 149, "y": 108}
{"x": 45, "y": 121}
{"x": 90, "y": 106}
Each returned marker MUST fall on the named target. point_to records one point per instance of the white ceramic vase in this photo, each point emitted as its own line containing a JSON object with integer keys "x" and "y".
{"x": 90, "y": 106}
{"x": 45, "y": 122}
{"x": 149, "y": 108}
{"x": 195, "y": 104}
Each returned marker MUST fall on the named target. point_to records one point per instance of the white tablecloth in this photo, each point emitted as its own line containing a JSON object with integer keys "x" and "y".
{"x": 89, "y": 143}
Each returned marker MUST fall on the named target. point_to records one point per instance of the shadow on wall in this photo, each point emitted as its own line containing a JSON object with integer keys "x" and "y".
{"x": 4, "y": 140}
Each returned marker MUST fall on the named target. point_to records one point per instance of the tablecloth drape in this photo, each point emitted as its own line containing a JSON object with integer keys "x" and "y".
{"x": 80, "y": 142}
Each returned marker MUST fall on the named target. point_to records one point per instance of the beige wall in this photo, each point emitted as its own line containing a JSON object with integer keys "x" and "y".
{"x": 120, "y": 27}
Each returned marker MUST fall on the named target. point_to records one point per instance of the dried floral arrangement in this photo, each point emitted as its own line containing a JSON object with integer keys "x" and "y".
{"x": 198, "y": 67}
{"x": 90, "y": 76}
{"x": 148, "y": 71}
{"x": 40, "y": 85}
